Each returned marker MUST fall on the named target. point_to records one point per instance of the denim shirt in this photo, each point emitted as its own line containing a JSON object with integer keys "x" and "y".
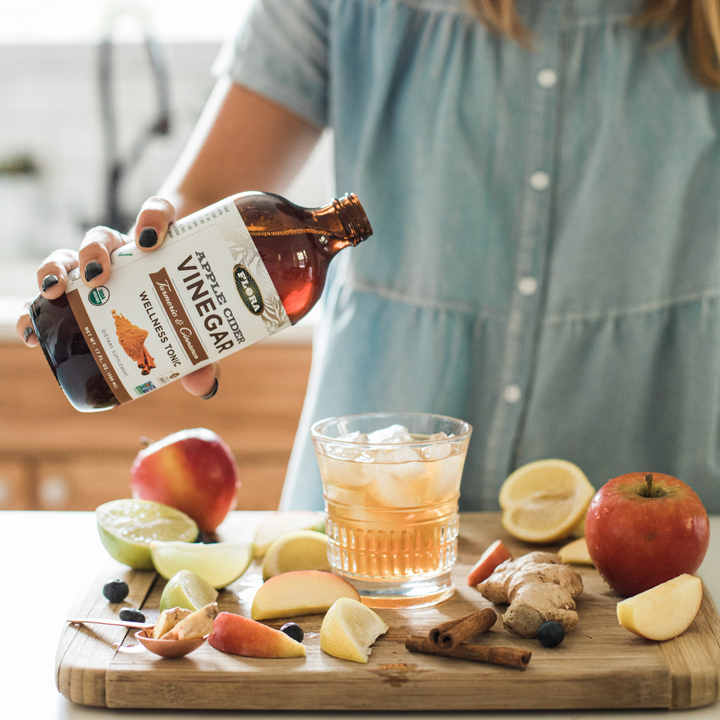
{"x": 546, "y": 250}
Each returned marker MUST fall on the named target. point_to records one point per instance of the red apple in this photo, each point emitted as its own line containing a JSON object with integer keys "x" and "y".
{"x": 643, "y": 529}
{"x": 191, "y": 470}
{"x": 241, "y": 636}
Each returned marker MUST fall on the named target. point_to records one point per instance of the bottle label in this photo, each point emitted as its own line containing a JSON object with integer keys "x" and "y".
{"x": 202, "y": 295}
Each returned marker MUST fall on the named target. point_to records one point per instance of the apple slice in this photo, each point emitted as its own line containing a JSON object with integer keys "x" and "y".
{"x": 665, "y": 611}
{"x": 495, "y": 554}
{"x": 576, "y": 553}
{"x": 283, "y": 522}
{"x": 241, "y": 636}
{"x": 300, "y": 592}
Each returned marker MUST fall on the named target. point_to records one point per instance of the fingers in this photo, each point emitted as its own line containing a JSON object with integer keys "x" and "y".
{"x": 24, "y": 327}
{"x": 94, "y": 255}
{"x": 203, "y": 382}
{"x": 156, "y": 215}
{"x": 52, "y": 275}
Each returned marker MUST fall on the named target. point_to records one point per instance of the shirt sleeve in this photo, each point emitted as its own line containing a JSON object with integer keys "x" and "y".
{"x": 281, "y": 52}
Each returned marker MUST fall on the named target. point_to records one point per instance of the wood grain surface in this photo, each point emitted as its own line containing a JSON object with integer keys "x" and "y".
{"x": 599, "y": 665}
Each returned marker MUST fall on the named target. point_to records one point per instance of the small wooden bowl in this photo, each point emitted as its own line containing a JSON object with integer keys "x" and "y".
{"x": 169, "y": 648}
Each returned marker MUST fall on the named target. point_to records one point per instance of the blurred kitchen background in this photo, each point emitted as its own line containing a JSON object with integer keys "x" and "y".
{"x": 97, "y": 101}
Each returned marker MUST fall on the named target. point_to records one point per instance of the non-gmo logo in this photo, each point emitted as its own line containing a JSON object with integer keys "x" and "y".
{"x": 248, "y": 290}
{"x": 99, "y": 295}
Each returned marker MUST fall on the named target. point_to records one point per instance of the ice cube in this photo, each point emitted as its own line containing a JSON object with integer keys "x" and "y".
{"x": 356, "y": 436}
{"x": 401, "y": 484}
{"x": 392, "y": 434}
{"x": 348, "y": 473}
{"x": 437, "y": 451}
{"x": 398, "y": 455}
{"x": 444, "y": 478}
{"x": 342, "y": 451}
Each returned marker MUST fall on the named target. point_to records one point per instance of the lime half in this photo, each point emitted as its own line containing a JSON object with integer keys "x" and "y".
{"x": 187, "y": 590}
{"x": 127, "y": 527}
{"x": 218, "y": 563}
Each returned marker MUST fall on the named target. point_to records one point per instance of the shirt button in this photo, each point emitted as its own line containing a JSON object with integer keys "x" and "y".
{"x": 539, "y": 180}
{"x": 546, "y": 78}
{"x": 527, "y": 286}
{"x": 512, "y": 393}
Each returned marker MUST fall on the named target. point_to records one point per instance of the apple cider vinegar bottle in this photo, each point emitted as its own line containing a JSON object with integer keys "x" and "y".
{"x": 225, "y": 277}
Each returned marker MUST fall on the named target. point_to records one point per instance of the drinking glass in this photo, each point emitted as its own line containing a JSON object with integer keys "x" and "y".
{"x": 391, "y": 483}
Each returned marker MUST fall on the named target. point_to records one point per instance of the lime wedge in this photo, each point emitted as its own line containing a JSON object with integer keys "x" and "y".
{"x": 218, "y": 563}
{"x": 127, "y": 527}
{"x": 187, "y": 590}
{"x": 300, "y": 550}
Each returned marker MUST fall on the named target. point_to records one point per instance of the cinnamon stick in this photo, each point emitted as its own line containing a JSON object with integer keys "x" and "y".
{"x": 497, "y": 655}
{"x": 451, "y": 633}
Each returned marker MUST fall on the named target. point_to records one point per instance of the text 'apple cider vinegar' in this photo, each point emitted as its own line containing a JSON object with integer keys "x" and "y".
{"x": 225, "y": 277}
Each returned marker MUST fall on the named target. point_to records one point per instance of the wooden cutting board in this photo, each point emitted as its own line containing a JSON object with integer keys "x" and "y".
{"x": 599, "y": 665}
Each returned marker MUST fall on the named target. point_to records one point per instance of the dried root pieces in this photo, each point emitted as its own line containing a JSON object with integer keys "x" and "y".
{"x": 538, "y": 588}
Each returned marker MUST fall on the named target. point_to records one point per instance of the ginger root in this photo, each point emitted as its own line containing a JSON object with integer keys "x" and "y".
{"x": 539, "y": 588}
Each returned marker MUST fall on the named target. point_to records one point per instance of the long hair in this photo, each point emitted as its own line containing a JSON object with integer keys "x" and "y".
{"x": 696, "y": 21}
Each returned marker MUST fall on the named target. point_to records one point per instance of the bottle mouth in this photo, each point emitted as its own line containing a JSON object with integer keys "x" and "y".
{"x": 357, "y": 225}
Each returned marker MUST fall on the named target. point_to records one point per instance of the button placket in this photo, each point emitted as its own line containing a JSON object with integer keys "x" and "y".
{"x": 532, "y": 241}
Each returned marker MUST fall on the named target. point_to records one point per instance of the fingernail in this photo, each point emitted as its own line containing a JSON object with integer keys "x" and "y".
{"x": 148, "y": 238}
{"x": 49, "y": 281}
{"x": 27, "y": 332}
{"x": 212, "y": 393}
{"x": 92, "y": 270}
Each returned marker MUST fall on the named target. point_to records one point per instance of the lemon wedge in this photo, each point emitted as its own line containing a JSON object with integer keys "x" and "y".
{"x": 348, "y": 630}
{"x": 300, "y": 550}
{"x": 545, "y": 501}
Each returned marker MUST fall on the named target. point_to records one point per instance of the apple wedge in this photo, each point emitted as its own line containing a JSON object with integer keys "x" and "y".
{"x": 241, "y": 636}
{"x": 576, "y": 553}
{"x": 665, "y": 611}
{"x": 492, "y": 557}
{"x": 300, "y": 592}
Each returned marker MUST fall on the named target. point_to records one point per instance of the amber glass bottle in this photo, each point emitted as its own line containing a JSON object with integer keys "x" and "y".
{"x": 184, "y": 312}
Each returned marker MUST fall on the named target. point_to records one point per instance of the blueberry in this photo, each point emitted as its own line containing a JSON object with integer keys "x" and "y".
{"x": 116, "y": 591}
{"x": 131, "y": 615}
{"x": 293, "y": 630}
{"x": 550, "y": 634}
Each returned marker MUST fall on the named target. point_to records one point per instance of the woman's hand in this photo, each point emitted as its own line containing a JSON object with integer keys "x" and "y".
{"x": 93, "y": 259}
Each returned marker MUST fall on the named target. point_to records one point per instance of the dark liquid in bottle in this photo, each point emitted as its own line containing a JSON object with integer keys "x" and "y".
{"x": 296, "y": 245}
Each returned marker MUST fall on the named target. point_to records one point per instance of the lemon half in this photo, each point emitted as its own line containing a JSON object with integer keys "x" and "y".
{"x": 544, "y": 501}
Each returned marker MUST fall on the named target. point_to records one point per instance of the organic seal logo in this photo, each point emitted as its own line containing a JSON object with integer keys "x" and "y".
{"x": 99, "y": 295}
{"x": 248, "y": 290}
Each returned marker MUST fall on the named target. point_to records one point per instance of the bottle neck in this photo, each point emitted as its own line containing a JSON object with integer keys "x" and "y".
{"x": 353, "y": 218}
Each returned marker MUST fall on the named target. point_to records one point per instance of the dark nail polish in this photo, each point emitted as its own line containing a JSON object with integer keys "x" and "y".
{"x": 49, "y": 281}
{"x": 27, "y": 332}
{"x": 92, "y": 270}
{"x": 148, "y": 238}
{"x": 212, "y": 393}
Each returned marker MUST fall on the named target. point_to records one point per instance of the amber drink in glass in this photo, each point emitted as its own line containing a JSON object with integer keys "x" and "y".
{"x": 391, "y": 483}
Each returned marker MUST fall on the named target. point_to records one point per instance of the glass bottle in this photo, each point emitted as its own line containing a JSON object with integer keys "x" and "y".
{"x": 293, "y": 244}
